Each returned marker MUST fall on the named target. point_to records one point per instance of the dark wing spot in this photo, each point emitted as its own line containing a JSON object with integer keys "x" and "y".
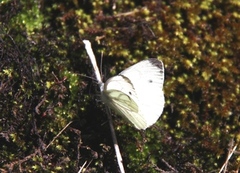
{"x": 150, "y": 81}
{"x": 130, "y": 93}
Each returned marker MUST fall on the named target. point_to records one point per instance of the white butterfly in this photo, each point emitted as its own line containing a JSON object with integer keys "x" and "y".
{"x": 137, "y": 93}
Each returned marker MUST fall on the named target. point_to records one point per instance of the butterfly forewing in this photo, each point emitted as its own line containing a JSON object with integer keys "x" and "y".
{"x": 140, "y": 98}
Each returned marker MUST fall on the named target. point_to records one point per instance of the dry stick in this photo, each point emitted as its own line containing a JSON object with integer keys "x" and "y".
{"x": 11, "y": 165}
{"x": 229, "y": 156}
{"x": 117, "y": 150}
{"x": 169, "y": 166}
{"x": 100, "y": 83}
{"x": 82, "y": 167}
{"x": 58, "y": 135}
{"x": 88, "y": 164}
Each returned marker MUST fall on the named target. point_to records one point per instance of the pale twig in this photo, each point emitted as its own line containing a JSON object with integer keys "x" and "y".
{"x": 115, "y": 143}
{"x": 58, "y": 135}
{"x": 93, "y": 60}
{"x": 230, "y": 153}
{"x": 130, "y": 12}
{"x": 82, "y": 167}
{"x": 169, "y": 166}
{"x": 100, "y": 83}
{"x": 87, "y": 165}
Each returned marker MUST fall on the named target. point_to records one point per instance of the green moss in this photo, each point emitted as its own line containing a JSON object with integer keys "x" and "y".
{"x": 41, "y": 91}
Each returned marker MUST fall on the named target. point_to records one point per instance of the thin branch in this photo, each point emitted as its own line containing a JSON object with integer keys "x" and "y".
{"x": 11, "y": 165}
{"x": 169, "y": 166}
{"x": 40, "y": 104}
{"x": 230, "y": 153}
{"x": 82, "y": 167}
{"x": 57, "y": 135}
{"x": 100, "y": 83}
{"x": 115, "y": 143}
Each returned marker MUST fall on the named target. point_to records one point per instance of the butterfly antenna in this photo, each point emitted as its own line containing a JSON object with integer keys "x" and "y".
{"x": 89, "y": 77}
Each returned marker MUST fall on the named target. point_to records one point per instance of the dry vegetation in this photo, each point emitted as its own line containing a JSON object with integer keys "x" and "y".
{"x": 43, "y": 89}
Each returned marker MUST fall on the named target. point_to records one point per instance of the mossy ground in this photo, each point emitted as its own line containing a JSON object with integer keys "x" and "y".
{"x": 42, "y": 85}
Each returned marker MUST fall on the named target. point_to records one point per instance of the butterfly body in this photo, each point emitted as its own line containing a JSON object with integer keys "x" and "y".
{"x": 137, "y": 93}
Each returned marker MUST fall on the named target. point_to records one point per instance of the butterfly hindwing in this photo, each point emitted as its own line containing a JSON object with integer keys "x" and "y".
{"x": 125, "y": 100}
{"x": 119, "y": 94}
{"x": 127, "y": 108}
